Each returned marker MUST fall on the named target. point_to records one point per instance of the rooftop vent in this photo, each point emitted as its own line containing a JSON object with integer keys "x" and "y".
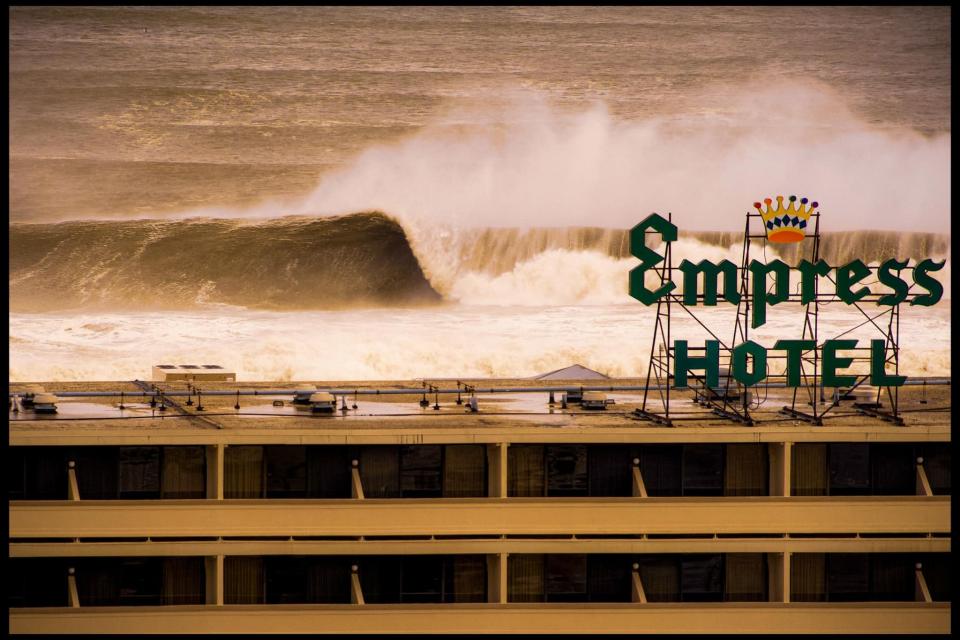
{"x": 192, "y": 373}
{"x": 323, "y": 402}
{"x": 45, "y": 403}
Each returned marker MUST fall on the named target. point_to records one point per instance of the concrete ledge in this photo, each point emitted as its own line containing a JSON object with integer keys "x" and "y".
{"x": 866, "y": 618}
{"x": 476, "y": 546}
{"x": 479, "y": 516}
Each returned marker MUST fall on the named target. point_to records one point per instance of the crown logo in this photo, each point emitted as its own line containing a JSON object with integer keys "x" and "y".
{"x": 786, "y": 223}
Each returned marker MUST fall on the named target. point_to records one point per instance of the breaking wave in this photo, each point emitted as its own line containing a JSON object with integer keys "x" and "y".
{"x": 363, "y": 260}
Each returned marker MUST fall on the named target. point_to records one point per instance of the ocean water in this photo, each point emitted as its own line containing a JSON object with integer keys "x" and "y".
{"x": 199, "y": 183}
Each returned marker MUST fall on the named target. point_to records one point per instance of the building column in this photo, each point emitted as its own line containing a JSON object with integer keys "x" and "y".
{"x": 73, "y": 489}
{"x": 922, "y": 591}
{"x": 215, "y": 455}
{"x": 778, "y": 572}
{"x": 781, "y": 454}
{"x": 72, "y": 587}
{"x": 497, "y": 577}
{"x": 637, "y": 593}
{"x": 214, "y": 579}
{"x": 497, "y": 470}
{"x": 356, "y": 591}
{"x": 639, "y": 488}
{"x": 356, "y": 484}
{"x": 923, "y": 484}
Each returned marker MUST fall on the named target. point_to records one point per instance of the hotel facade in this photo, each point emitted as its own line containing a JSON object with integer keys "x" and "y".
{"x": 521, "y": 516}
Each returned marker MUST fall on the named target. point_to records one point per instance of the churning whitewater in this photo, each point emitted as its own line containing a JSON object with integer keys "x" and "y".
{"x": 341, "y": 210}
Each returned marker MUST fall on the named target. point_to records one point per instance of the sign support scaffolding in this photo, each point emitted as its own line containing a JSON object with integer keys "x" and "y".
{"x": 732, "y": 400}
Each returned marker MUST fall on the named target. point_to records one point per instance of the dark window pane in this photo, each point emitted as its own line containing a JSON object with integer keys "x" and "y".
{"x": 703, "y": 470}
{"x": 525, "y": 471}
{"x": 848, "y": 577}
{"x": 464, "y": 471}
{"x": 808, "y": 473}
{"x": 98, "y": 582}
{"x": 183, "y": 581}
{"x": 139, "y": 473}
{"x": 849, "y": 466}
{"x": 745, "y": 577}
{"x": 380, "y": 472}
{"x": 465, "y": 578}
{"x": 380, "y": 579}
{"x": 937, "y": 572}
{"x": 894, "y": 469}
{"x": 565, "y": 577}
{"x": 610, "y": 471}
{"x": 660, "y": 576}
{"x": 566, "y": 470}
{"x": 420, "y": 471}
{"x": 808, "y": 577}
{"x": 243, "y": 580}
{"x": 37, "y": 582}
{"x": 97, "y": 472}
{"x": 328, "y": 473}
{"x": 660, "y": 466}
{"x": 936, "y": 463}
{"x": 184, "y": 473}
{"x": 37, "y": 473}
{"x": 286, "y": 468}
{"x": 608, "y": 578}
{"x": 525, "y": 576}
{"x": 701, "y": 578}
{"x": 286, "y": 579}
{"x": 746, "y": 472}
{"x": 243, "y": 472}
{"x": 892, "y": 577}
{"x": 328, "y": 580}
{"x": 421, "y": 579}
{"x": 16, "y": 466}
{"x": 141, "y": 581}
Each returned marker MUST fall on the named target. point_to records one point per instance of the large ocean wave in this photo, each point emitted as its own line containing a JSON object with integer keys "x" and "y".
{"x": 361, "y": 260}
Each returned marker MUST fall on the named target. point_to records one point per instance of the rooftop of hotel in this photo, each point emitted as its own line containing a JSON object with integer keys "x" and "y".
{"x": 924, "y": 410}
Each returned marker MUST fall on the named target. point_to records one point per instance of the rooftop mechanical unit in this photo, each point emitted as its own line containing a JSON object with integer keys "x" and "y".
{"x": 594, "y": 400}
{"x": 323, "y": 402}
{"x": 44, "y": 403}
{"x": 301, "y": 395}
{"x": 192, "y": 372}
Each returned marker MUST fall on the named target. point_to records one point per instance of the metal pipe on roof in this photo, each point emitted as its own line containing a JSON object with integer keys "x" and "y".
{"x": 411, "y": 391}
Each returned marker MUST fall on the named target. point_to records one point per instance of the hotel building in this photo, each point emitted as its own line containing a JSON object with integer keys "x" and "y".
{"x": 521, "y": 516}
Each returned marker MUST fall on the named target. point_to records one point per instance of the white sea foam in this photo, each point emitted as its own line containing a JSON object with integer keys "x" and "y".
{"x": 452, "y": 341}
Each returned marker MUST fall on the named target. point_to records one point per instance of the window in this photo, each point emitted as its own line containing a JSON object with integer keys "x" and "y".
{"x": 936, "y": 464}
{"x": 421, "y": 579}
{"x": 36, "y": 473}
{"x": 525, "y": 471}
{"x": 849, "y": 468}
{"x": 420, "y": 471}
{"x": 328, "y": 472}
{"x": 610, "y": 470}
{"x": 893, "y": 469}
{"x": 609, "y": 578}
{"x": 139, "y": 473}
{"x": 848, "y": 577}
{"x": 660, "y": 466}
{"x": 184, "y": 473}
{"x": 464, "y": 471}
{"x": 37, "y": 582}
{"x": 703, "y": 470}
{"x": 566, "y": 470}
{"x": 306, "y": 579}
{"x": 286, "y": 471}
{"x": 565, "y": 577}
{"x": 701, "y": 578}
